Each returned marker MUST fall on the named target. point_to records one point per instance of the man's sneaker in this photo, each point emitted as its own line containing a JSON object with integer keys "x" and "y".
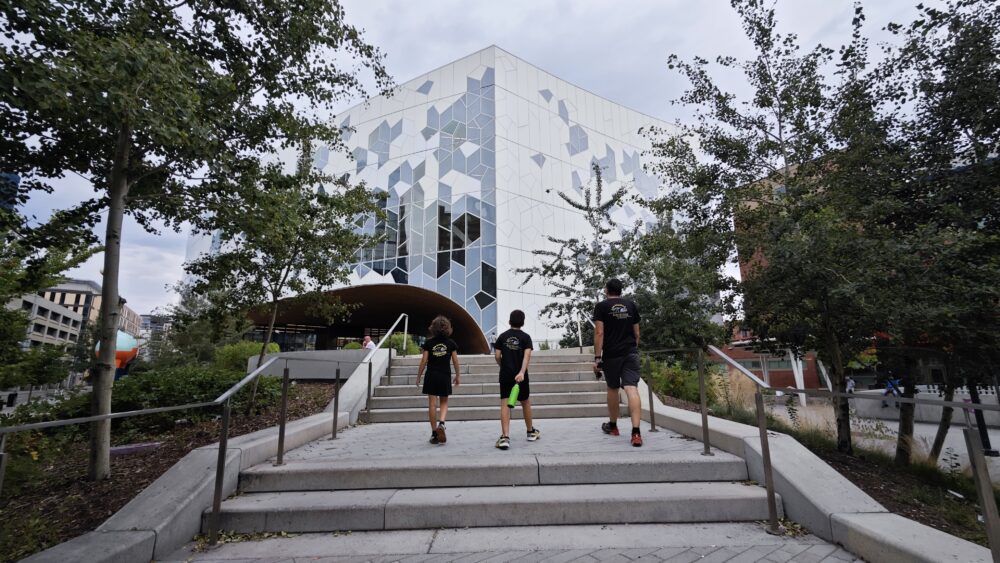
{"x": 534, "y": 434}
{"x": 440, "y": 433}
{"x": 503, "y": 443}
{"x": 609, "y": 428}
{"x": 637, "y": 440}
{"x": 434, "y": 437}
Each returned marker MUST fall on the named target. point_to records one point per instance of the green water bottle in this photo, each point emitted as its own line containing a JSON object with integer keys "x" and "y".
{"x": 512, "y": 401}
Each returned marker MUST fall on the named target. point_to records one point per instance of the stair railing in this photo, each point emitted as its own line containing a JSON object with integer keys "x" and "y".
{"x": 773, "y": 526}
{"x": 224, "y": 399}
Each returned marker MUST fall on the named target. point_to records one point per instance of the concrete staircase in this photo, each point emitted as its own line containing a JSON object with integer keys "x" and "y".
{"x": 385, "y": 476}
{"x": 562, "y": 386}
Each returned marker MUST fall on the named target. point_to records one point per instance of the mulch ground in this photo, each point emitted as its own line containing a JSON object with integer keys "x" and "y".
{"x": 64, "y": 504}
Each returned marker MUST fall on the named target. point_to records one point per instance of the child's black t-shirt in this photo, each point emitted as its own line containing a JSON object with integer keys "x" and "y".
{"x": 439, "y": 349}
{"x": 511, "y": 345}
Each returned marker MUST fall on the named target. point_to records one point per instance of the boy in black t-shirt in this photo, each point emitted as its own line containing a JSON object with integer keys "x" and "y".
{"x": 513, "y": 353}
{"x": 439, "y": 349}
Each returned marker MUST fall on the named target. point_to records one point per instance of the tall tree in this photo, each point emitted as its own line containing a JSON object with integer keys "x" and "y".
{"x": 145, "y": 100}
{"x": 579, "y": 269}
{"x": 777, "y": 182}
{"x": 291, "y": 239}
{"x": 945, "y": 74}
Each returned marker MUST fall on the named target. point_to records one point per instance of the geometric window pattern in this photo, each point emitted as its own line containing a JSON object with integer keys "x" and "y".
{"x": 447, "y": 244}
{"x": 577, "y": 140}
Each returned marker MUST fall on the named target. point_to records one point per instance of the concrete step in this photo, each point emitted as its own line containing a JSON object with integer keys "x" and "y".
{"x": 459, "y": 507}
{"x": 490, "y": 413}
{"x": 501, "y": 470}
{"x": 493, "y": 368}
{"x": 494, "y": 377}
{"x": 487, "y": 359}
{"x": 468, "y": 388}
{"x": 490, "y": 400}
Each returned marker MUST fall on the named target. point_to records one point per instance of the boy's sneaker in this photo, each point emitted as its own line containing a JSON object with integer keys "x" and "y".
{"x": 609, "y": 428}
{"x": 533, "y": 434}
{"x": 637, "y": 440}
{"x": 434, "y": 437}
{"x": 440, "y": 433}
{"x": 503, "y": 443}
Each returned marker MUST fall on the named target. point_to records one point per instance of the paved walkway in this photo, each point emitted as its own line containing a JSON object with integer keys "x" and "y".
{"x": 477, "y": 438}
{"x": 674, "y": 543}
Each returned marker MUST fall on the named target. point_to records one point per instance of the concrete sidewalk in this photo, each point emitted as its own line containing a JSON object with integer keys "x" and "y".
{"x": 676, "y": 543}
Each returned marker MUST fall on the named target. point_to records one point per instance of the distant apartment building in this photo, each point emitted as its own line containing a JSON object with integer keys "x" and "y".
{"x": 84, "y": 297}
{"x": 49, "y": 323}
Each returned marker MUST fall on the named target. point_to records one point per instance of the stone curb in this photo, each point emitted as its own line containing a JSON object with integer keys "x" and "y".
{"x": 167, "y": 513}
{"x": 818, "y": 497}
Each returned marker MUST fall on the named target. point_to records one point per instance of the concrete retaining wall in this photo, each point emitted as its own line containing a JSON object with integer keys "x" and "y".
{"x": 317, "y": 364}
{"x": 167, "y": 514}
{"x": 819, "y": 498}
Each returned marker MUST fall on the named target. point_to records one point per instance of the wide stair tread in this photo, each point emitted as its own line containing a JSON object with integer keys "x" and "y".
{"x": 497, "y": 470}
{"x": 378, "y": 509}
{"x": 490, "y": 413}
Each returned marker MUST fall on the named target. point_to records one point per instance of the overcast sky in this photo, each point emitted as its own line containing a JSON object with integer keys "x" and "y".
{"x": 613, "y": 48}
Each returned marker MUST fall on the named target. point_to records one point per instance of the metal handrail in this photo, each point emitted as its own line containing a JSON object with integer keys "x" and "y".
{"x": 773, "y": 526}
{"x": 126, "y": 414}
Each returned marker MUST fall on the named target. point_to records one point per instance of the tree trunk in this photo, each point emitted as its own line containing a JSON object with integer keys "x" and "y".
{"x": 943, "y": 426}
{"x": 841, "y": 405}
{"x": 103, "y": 376}
{"x": 263, "y": 350}
{"x": 904, "y": 440}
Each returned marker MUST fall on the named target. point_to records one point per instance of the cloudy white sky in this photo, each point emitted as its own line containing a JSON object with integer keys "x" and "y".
{"x": 615, "y": 49}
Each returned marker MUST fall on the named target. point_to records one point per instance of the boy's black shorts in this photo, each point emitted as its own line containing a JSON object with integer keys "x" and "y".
{"x": 507, "y": 383}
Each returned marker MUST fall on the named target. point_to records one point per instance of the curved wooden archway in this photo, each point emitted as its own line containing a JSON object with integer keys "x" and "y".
{"x": 379, "y": 306}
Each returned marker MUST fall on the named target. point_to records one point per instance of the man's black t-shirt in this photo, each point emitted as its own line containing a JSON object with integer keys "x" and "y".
{"x": 439, "y": 351}
{"x": 511, "y": 345}
{"x": 618, "y": 316}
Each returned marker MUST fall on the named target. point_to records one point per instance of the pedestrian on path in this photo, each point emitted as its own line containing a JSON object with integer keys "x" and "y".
{"x": 513, "y": 354}
{"x": 438, "y": 350}
{"x": 368, "y": 344}
{"x": 616, "y": 355}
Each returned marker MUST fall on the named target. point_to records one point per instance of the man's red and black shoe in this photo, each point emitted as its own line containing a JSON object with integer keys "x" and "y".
{"x": 610, "y": 428}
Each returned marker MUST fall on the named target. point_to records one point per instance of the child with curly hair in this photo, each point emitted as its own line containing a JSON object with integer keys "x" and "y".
{"x": 438, "y": 350}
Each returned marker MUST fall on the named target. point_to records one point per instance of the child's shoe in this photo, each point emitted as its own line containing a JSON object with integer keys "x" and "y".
{"x": 442, "y": 438}
{"x": 503, "y": 443}
{"x": 611, "y": 429}
{"x": 434, "y": 437}
{"x": 636, "y": 440}
{"x": 534, "y": 434}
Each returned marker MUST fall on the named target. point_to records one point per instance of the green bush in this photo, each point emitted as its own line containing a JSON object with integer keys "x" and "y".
{"x": 677, "y": 380}
{"x": 352, "y": 346}
{"x": 234, "y": 356}
{"x": 396, "y": 343}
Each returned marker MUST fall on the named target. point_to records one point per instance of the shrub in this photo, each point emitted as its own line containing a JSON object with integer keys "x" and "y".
{"x": 678, "y": 381}
{"x": 352, "y": 346}
{"x": 396, "y": 343}
{"x": 234, "y": 356}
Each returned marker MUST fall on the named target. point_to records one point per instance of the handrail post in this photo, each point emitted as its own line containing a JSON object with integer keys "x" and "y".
{"x": 3, "y": 459}
{"x": 649, "y": 387}
{"x": 704, "y": 404}
{"x": 984, "y": 489}
{"x": 220, "y": 474}
{"x": 284, "y": 416}
{"x": 406, "y": 332}
{"x": 773, "y": 527}
{"x": 336, "y": 403}
{"x": 368, "y": 397}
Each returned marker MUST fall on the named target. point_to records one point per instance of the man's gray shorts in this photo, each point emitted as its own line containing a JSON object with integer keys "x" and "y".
{"x": 622, "y": 371}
